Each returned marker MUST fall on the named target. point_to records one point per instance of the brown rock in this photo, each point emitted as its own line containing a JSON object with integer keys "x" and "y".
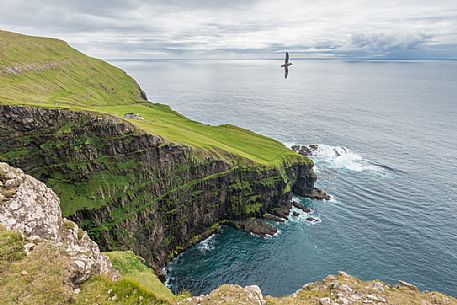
{"x": 254, "y": 226}
{"x": 300, "y": 206}
{"x": 273, "y": 218}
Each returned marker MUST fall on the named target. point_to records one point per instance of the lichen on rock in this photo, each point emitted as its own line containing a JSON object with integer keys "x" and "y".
{"x": 33, "y": 209}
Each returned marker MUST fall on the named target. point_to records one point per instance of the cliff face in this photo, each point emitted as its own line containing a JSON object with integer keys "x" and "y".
{"x": 45, "y": 259}
{"x": 153, "y": 182}
{"x": 133, "y": 190}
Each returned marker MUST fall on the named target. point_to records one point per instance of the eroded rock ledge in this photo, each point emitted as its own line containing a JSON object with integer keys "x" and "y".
{"x": 28, "y": 206}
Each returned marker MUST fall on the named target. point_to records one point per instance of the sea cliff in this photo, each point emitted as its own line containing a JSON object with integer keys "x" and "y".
{"x": 152, "y": 181}
{"x": 46, "y": 259}
{"x": 136, "y": 176}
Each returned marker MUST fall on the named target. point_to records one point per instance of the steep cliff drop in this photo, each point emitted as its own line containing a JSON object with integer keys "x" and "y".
{"x": 133, "y": 190}
{"x": 135, "y": 175}
{"x": 154, "y": 182}
{"x": 45, "y": 259}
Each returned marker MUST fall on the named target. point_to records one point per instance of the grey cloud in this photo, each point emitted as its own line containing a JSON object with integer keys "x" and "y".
{"x": 241, "y": 28}
{"x": 386, "y": 42}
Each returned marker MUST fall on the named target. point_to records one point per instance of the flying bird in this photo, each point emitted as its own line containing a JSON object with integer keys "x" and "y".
{"x": 286, "y": 65}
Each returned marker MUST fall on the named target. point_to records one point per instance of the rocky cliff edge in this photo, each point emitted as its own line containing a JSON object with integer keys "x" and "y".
{"x": 28, "y": 206}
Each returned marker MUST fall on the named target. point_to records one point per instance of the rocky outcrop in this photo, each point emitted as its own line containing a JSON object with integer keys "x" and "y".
{"x": 301, "y": 207}
{"x": 254, "y": 226}
{"x": 304, "y": 186}
{"x": 132, "y": 190}
{"x": 274, "y": 218}
{"x": 31, "y": 67}
{"x": 341, "y": 289}
{"x": 283, "y": 211}
{"x": 34, "y": 210}
{"x": 229, "y": 294}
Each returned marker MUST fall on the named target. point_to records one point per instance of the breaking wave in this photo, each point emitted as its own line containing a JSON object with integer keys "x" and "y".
{"x": 340, "y": 157}
{"x": 207, "y": 245}
{"x": 310, "y": 218}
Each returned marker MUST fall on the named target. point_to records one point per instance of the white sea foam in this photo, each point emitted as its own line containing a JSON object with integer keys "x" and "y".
{"x": 303, "y": 216}
{"x": 340, "y": 157}
{"x": 166, "y": 270}
{"x": 207, "y": 245}
{"x": 274, "y": 235}
{"x": 332, "y": 198}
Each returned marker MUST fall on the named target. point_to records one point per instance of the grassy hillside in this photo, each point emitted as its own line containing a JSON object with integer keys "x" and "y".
{"x": 48, "y": 73}
{"x": 42, "y": 278}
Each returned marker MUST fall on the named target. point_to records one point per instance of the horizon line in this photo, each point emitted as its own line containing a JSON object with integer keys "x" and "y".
{"x": 281, "y": 59}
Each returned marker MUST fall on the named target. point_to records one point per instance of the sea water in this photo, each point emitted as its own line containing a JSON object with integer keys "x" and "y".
{"x": 393, "y": 213}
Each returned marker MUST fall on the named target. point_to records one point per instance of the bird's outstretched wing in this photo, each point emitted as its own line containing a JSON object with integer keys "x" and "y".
{"x": 287, "y": 58}
{"x": 286, "y": 71}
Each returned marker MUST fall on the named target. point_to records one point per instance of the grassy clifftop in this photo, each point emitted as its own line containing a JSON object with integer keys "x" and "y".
{"x": 48, "y": 73}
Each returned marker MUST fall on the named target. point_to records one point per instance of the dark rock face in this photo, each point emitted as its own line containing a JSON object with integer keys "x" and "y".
{"x": 300, "y": 206}
{"x": 273, "y": 218}
{"x": 254, "y": 226}
{"x": 306, "y": 150}
{"x": 304, "y": 186}
{"x": 282, "y": 211}
{"x": 143, "y": 94}
{"x": 312, "y": 219}
{"x": 132, "y": 190}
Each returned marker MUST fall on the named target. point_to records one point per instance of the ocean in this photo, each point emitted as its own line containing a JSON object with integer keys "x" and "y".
{"x": 393, "y": 213}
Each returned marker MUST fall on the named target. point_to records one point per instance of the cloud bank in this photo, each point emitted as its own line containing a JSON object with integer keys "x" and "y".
{"x": 408, "y": 29}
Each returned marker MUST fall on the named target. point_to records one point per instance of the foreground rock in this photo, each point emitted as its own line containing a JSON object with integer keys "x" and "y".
{"x": 229, "y": 294}
{"x": 341, "y": 289}
{"x": 254, "y": 226}
{"x": 31, "y": 208}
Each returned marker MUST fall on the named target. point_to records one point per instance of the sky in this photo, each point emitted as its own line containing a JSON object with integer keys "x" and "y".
{"x": 242, "y": 29}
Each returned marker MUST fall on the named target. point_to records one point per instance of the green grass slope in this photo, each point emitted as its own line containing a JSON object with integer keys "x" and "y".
{"x": 43, "y": 278}
{"x": 133, "y": 268}
{"x": 47, "y": 72}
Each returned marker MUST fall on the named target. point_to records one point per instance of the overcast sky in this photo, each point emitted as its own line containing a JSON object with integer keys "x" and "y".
{"x": 397, "y": 29}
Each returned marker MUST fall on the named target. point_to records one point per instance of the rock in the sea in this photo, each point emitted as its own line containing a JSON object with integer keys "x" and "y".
{"x": 295, "y": 214}
{"x": 273, "y": 218}
{"x": 300, "y": 206}
{"x": 316, "y": 193}
{"x": 312, "y": 219}
{"x": 34, "y": 210}
{"x": 283, "y": 212}
{"x": 303, "y": 150}
{"x": 254, "y": 226}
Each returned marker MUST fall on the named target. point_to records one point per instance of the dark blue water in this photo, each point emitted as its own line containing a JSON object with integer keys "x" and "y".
{"x": 394, "y": 213}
